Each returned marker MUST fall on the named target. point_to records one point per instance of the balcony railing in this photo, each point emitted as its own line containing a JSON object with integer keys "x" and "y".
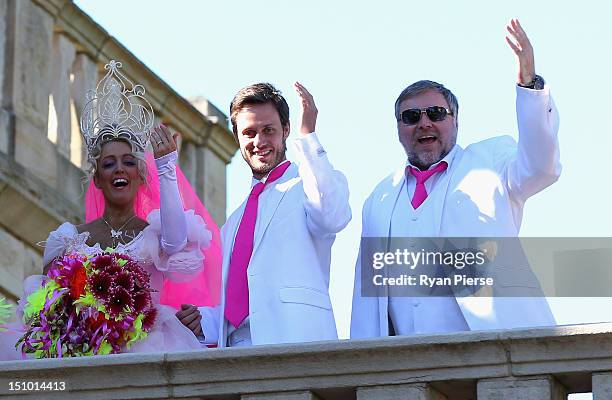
{"x": 526, "y": 364}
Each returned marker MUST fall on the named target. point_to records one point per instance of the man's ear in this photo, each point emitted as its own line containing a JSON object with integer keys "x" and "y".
{"x": 286, "y": 129}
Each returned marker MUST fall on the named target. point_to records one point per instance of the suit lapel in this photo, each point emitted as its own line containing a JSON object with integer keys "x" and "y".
{"x": 439, "y": 207}
{"x": 274, "y": 196}
{"x": 228, "y": 236}
{"x": 387, "y": 202}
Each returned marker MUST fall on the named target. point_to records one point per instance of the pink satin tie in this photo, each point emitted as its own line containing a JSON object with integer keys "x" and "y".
{"x": 420, "y": 193}
{"x": 237, "y": 293}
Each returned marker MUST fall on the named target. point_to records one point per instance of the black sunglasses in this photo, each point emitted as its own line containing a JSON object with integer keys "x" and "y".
{"x": 435, "y": 113}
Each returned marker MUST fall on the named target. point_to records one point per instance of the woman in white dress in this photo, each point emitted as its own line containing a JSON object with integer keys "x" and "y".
{"x": 170, "y": 243}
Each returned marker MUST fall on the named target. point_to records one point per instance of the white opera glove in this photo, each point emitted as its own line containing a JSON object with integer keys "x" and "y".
{"x": 173, "y": 222}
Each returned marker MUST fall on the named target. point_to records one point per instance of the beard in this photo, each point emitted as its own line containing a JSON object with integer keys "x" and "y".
{"x": 425, "y": 159}
{"x": 262, "y": 168}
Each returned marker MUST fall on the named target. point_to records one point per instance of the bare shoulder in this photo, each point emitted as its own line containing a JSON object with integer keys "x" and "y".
{"x": 88, "y": 227}
{"x": 140, "y": 224}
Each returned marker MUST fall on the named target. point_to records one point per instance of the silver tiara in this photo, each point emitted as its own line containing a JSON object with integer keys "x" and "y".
{"x": 117, "y": 109}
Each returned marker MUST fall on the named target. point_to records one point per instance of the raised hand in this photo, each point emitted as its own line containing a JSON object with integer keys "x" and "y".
{"x": 190, "y": 317}
{"x": 309, "y": 110}
{"x": 163, "y": 141}
{"x": 520, "y": 44}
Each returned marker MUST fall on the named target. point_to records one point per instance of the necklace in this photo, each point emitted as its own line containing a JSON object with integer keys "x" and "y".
{"x": 117, "y": 234}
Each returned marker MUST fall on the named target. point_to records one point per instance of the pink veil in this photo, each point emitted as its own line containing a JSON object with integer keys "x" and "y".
{"x": 205, "y": 288}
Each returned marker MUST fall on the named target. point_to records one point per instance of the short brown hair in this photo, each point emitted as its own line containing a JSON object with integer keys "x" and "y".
{"x": 259, "y": 93}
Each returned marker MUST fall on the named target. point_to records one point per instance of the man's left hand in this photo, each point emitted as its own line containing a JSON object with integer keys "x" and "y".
{"x": 309, "y": 110}
{"x": 520, "y": 44}
{"x": 191, "y": 318}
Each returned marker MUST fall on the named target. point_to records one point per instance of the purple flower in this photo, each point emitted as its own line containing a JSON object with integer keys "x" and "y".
{"x": 63, "y": 270}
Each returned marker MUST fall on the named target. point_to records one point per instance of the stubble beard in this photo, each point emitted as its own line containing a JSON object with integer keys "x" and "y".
{"x": 264, "y": 168}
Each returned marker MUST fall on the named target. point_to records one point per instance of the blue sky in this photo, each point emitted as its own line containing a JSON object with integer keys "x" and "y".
{"x": 356, "y": 56}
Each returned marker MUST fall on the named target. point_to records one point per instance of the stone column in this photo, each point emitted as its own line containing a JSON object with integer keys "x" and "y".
{"x": 524, "y": 388}
{"x": 31, "y": 86}
{"x": 84, "y": 78}
{"x": 413, "y": 391}
{"x": 306, "y": 395}
{"x": 59, "y": 125}
{"x": 5, "y": 115}
{"x": 602, "y": 386}
{"x": 188, "y": 162}
{"x": 210, "y": 182}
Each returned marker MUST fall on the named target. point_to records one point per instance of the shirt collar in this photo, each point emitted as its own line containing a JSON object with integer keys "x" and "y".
{"x": 448, "y": 159}
{"x": 255, "y": 181}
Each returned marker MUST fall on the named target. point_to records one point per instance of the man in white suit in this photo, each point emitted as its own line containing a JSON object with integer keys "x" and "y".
{"x": 277, "y": 244}
{"x": 446, "y": 191}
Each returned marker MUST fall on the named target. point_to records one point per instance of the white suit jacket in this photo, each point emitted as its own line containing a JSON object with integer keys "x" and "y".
{"x": 288, "y": 274}
{"x": 488, "y": 186}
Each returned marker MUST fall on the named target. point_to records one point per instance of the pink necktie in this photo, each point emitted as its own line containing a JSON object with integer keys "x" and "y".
{"x": 237, "y": 292}
{"x": 420, "y": 193}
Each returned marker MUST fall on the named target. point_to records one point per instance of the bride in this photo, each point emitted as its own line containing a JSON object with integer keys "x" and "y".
{"x": 135, "y": 211}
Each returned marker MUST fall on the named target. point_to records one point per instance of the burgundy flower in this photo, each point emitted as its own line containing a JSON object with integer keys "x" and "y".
{"x": 141, "y": 278}
{"x": 142, "y": 301}
{"x": 149, "y": 319}
{"x": 118, "y": 301}
{"x": 124, "y": 280}
{"x": 102, "y": 261}
{"x": 100, "y": 285}
{"x": 113, "y": 270}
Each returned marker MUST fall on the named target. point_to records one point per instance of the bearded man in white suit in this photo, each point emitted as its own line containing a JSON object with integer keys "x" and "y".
{"x": 276, "y": 267}
{"x": 446, "y": 191}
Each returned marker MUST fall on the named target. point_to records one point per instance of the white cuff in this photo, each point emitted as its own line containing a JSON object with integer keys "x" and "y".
{"x": 167, "y": 164}
{"x": 210, "y": 324}
{"x": 309, "y": 145}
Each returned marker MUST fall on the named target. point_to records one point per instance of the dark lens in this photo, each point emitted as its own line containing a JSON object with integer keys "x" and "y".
{"x": 436, "y": 113}
{"x": 411, "y": 116}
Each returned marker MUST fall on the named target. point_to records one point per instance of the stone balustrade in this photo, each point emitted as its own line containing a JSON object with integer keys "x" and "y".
{"x": 520, "y": 364}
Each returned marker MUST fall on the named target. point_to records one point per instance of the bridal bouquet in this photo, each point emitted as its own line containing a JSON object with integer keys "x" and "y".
{"x": 87, "y": 306}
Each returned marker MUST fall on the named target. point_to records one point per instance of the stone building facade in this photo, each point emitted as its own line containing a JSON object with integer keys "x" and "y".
{"x": 51, "y": 52}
